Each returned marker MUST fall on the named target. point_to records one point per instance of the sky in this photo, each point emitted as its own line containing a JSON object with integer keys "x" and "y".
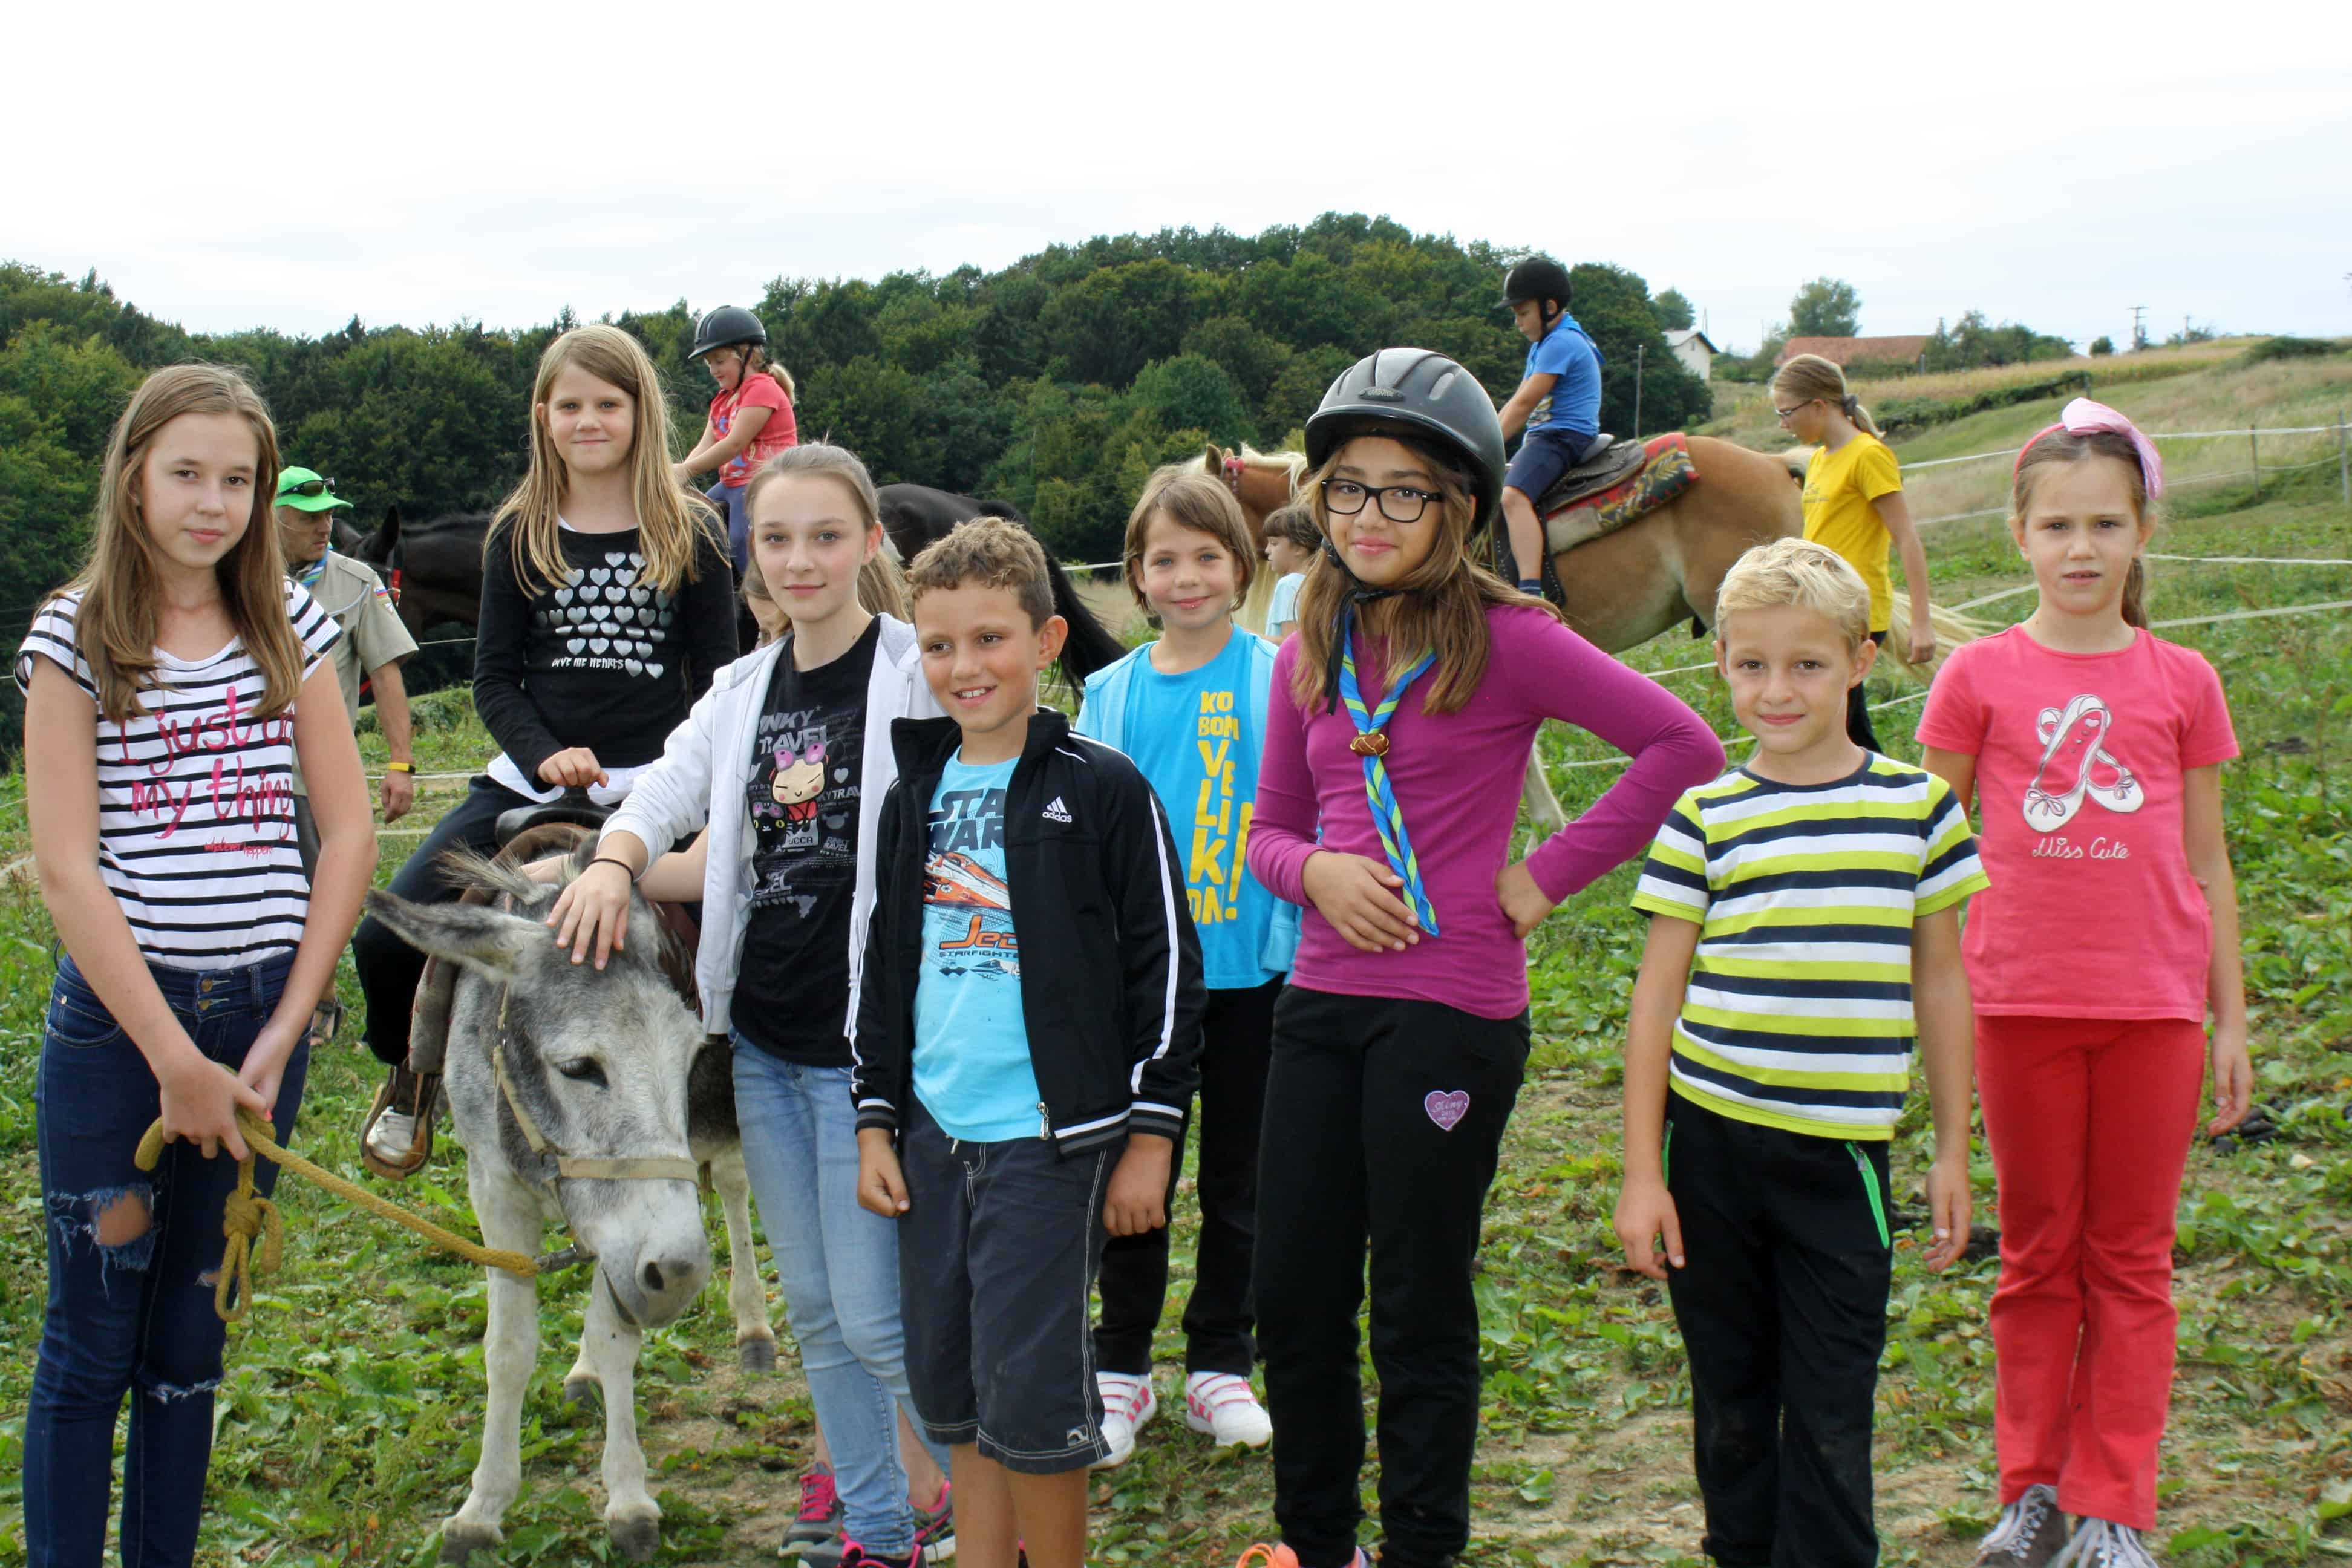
{"x": 292, "y": 167}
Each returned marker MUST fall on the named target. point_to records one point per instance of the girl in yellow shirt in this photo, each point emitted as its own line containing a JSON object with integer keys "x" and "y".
{"x": 1853, "y": 504}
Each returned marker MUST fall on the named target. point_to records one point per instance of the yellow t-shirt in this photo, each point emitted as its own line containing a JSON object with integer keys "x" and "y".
{"x": 1839, "y": 488}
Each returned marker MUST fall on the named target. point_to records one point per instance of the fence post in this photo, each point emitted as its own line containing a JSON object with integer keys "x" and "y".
{"x": 2343, "y": 458}
{"x": 2254, "y": 444}
{"x": 1638, "y": 350}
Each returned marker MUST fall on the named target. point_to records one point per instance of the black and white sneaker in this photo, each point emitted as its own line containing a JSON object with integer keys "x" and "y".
{"x": 2030, "y": 1533}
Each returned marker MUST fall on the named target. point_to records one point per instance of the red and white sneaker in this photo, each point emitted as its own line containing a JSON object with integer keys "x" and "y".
{"x": 1128, "y": 1402}
{"x": 1225, "y": 1407}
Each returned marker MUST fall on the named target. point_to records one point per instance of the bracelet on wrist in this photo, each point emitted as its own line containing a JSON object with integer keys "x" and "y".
{"x": 400, "y": 768}
{"x": 614, "y": 861}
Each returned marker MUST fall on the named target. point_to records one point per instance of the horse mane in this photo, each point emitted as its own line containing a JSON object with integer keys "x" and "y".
{"x": 1294, "y": 461}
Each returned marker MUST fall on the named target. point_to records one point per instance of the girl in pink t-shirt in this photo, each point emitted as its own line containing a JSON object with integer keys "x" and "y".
{"x": 2110, "y": 930}
{"x": 751, "y": 416}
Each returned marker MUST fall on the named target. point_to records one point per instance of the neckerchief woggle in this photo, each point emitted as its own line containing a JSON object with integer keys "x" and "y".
{"x": 1371, "y": 744}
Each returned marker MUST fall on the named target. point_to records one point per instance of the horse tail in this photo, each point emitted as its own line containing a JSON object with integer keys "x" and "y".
{"x": 1952, "y": 629}
{"x": 1089, "y": 646}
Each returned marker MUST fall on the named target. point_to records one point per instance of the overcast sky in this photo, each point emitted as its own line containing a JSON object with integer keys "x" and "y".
{"x": 255, "y": 165}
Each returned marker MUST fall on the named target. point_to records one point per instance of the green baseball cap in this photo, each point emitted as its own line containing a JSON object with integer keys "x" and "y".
{"x": 305, "y": 491}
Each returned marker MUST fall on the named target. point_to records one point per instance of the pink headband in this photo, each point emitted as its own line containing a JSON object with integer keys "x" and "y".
{"x": 2084, "y": 417}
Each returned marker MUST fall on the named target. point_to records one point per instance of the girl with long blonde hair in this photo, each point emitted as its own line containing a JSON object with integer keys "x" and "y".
{"x": 1401, "y": 718}
{"x": 169, "y": 689}
{"x": 1853, "y": 504}
{"x": 607, "y": 607}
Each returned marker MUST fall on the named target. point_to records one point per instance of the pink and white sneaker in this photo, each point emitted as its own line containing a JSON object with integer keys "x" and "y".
{"x": 1225, "y": 1407}
{"x": 1128, "y": 1402}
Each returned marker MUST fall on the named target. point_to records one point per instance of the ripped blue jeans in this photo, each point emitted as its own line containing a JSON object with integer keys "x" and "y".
{"x": 133, "y": 1314}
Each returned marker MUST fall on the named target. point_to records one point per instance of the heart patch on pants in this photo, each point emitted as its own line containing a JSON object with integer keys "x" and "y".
{"x": 1446, "y": 1107}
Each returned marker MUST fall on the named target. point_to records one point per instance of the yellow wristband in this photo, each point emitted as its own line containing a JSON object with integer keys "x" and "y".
{"x": 400, "y": 767}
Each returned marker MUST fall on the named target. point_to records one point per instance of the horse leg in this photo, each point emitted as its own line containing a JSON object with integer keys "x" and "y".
{"x": 1545, "y": 813}
{"x": 510, "y": 1218}
{"x": 631, "y": 1517}
{"x": 747, "y": 1296}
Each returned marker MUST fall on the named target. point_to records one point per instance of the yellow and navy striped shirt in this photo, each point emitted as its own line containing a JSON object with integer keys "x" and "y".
{"x": 1799, "y": 1010}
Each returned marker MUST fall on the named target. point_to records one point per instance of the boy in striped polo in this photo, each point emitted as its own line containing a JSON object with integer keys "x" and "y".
{"x": 1807, "y": 926}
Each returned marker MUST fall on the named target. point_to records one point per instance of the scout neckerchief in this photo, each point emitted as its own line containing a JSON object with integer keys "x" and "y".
{"x": 1371, "y": 744}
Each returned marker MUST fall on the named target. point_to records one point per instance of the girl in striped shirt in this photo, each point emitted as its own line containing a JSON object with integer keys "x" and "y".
{"x": 168, "y": 690}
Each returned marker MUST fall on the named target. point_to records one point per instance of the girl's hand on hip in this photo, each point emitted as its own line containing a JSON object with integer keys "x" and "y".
{"x": 593, "y": 913}
{"x": 2233, "y": 1077}
{"x": 1645, "y": 1215}
{"x": 1524, "y": 903}
{"x": 200, "y": 1100}
{"x": 1358, "y": 897}
{"x": 1138, "y": 1199}
{"x": 574, "y": 767}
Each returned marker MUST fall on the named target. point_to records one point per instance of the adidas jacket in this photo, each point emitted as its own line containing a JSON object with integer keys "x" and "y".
{"x": 1110, "y": 971}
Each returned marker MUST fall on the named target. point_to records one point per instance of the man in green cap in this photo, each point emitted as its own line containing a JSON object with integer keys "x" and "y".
{"x": 374, "y": 641}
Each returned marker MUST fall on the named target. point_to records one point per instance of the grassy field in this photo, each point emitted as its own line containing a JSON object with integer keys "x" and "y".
{"x": 347, "y": 1425}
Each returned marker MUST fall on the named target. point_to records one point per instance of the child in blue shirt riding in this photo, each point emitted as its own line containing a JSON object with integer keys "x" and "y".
{"x": 1558, "y": 404}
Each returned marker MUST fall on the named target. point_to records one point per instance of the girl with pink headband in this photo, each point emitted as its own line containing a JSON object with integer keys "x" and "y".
{"x": 2109, "y": 935}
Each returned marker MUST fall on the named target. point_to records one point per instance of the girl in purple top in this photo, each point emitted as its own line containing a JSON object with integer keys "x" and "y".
{"x": 1401, "y": 717}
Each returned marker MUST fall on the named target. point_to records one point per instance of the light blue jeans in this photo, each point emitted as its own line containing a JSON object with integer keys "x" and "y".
{"x": 838, "y": 1265}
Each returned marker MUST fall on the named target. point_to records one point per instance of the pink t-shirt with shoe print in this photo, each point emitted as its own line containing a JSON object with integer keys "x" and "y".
{"x": 2093, "y": 912}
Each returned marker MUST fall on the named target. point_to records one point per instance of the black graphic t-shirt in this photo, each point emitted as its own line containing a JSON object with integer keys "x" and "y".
{"x": 791, "y": 993}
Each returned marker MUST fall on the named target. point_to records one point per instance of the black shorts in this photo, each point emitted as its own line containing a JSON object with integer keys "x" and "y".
{"x": 1542, "y": 458}
{"x": 997, "y": 1257}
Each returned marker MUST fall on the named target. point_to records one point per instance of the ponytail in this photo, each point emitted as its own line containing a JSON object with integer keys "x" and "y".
{"x": 2136, "y": 595}
{"x": 758, "y": 362}
{"x": 1857, "y": 415}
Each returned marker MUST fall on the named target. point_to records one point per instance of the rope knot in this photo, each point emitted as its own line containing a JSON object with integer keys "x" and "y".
{"x": 246, "y": 1218}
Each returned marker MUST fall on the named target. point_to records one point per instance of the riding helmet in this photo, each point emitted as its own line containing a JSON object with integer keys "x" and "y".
{"x": 1537, "y": 278}
{"x": 724, "y": 324}
{"x": 1416, "y": 393}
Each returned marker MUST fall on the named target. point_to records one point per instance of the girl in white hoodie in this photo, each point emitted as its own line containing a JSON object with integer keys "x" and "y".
{"x": 787, "y": 759}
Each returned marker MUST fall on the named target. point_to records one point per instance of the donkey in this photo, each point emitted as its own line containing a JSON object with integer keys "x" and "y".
{"x": 570, "y": 1088}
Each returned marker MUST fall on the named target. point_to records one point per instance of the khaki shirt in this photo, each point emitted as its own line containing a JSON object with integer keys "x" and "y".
{"x": 373, "y": 636}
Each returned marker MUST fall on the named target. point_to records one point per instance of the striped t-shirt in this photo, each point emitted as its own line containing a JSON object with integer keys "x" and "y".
{"x": 1797, "y": 1013}
{"x": 195, "y": 798}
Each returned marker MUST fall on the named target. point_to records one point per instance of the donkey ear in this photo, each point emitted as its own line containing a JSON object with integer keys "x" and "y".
{"x": 489, "y": 941}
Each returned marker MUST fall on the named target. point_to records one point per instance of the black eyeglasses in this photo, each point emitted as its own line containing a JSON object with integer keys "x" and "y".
{"x": 309, "y": 487}
{"x": 1346, "y": 498}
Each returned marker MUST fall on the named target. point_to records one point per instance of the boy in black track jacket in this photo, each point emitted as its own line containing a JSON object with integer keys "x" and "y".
{"x": 1028, "y": 1018}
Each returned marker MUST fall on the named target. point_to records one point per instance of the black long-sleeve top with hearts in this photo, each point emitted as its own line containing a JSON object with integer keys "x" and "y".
{"x": 597, "y": 661}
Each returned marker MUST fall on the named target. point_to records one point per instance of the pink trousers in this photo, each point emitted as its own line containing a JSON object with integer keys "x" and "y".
{"x": 2090, "y": 1121}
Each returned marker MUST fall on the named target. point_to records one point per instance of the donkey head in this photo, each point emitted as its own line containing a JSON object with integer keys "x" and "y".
{"x": 597, "y": 1059}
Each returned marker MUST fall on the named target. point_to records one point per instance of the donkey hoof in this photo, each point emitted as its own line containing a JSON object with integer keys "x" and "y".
{"x": 460, "y": 1538}
{"x": 757, "y": 1356}
{"x": 638, "y": 1536}
{"x": 582, "y": 1391}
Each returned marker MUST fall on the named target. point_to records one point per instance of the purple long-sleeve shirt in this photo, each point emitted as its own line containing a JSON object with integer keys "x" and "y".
{"x": 1457, "y": 778}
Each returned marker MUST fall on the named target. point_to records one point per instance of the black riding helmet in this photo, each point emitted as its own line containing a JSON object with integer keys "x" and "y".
{"x": 1416, "y": 395}
{"x": 1537, "y": 278}
{"x": 722, "y": 325}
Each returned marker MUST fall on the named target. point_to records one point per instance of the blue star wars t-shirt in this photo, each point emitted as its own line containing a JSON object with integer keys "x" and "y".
{"x": 972, "y": 1048}
{"x": 1195, "y": 739}
{"x": 1574, "y": 404}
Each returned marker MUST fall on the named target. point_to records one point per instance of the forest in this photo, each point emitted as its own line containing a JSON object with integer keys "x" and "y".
{"x": 1055, "y": 383}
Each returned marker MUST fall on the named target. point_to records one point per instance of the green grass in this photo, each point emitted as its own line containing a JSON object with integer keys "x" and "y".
{"x": 350, "y": 1419}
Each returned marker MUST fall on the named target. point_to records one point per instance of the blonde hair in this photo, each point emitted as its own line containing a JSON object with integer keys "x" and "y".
{"x": 1439, "y": 607}
{"x": 673, "y": 524}
{"x": 2066, "y": 447}
{"x": 881, "y": 585}
{"x": 1809, "y": 376}
{"x": 757, "y": 363}
{"x": 1193, "y": 500}
{"x": 990, "y": 553}
{"x": 1801, "y": 574}
{"x": 114, "y": 628}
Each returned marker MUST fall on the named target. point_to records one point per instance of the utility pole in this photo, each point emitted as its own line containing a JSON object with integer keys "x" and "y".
{"x": 2139, "y": 337}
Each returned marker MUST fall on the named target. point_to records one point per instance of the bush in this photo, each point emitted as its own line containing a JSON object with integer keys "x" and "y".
{"x": 2292, "y": 348}
{"x": 1905, "y": 415}
{"x": 2102, "y": 345}
{"x": 1880, "y": 370}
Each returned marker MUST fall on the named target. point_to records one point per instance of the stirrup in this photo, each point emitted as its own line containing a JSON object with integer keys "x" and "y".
{"x": 412, "y": 1093}
{"x": 326, "y": 1019}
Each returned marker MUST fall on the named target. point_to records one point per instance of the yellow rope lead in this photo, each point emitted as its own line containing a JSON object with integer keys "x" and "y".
{"x": 248, "y": 1217}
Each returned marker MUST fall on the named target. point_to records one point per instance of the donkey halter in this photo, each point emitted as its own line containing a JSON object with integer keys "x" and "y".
{"x": 634, "y": 1168}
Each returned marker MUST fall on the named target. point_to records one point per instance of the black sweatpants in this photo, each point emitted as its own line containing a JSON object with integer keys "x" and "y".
{"x": 1384, "y": 1118}
{"x": 1858, "y": 727}
{"x": 1236, "y": 1040}
{"x": 1782, "y": 1305}
{"x": 388, "y": 967}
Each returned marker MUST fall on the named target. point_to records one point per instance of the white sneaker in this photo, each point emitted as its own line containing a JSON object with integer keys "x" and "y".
{"x": 1127, "y": 1403}
{"x": 1226, "y": 1409}
{"x": 391, "y": 1137}
{"x": 2102, "y": 1543}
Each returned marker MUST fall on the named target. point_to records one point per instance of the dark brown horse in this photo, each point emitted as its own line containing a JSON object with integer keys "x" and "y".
{"x": 434, "y": 568}
{"x": 915, "y": 516}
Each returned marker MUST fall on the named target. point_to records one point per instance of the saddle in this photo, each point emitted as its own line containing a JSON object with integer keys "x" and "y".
{"x": 1619, "y": 484}
{"x": 1605, "y": 462}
